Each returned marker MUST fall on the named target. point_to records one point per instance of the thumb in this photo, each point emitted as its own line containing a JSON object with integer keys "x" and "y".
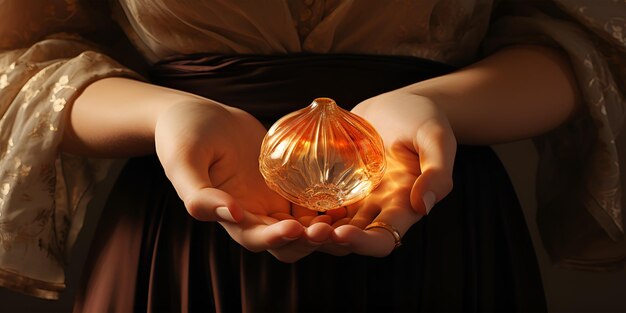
{"x": 212, "y": 204}
{"x": 436, "y": 146}
{"x": 203, "y": 202}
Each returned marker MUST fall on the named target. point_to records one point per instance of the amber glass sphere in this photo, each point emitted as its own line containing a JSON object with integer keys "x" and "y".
{"x": 322, "y": 157}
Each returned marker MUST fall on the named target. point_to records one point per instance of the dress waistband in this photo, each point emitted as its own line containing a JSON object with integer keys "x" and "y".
{"x": 270, "y": 86}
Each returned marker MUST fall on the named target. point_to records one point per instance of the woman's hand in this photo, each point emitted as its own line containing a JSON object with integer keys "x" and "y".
{"x": 516, "y": 93}
{"x": 210, "y": 154}
{"x": 208, "y": 150}
{"x": 420, "y": 148}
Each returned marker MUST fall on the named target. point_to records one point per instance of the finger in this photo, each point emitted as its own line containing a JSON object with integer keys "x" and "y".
{"x": 300, "y": 211}
{"x": 306, "y": 220}
{"x": 338, "y": 213}
{"x": 385, "y": 241}
{"x": 436, "y": 146}
{"x": 343, "y": 221}
{"x": 370, "y": 242}
{"x": 188, "y": 173}
{"x": 352, "y": 210}
{"x": 313, "y": 238}
{"x": 190, "y": 178}
{"x": 321, "y": 219}
{"x": 294, "y": 251}
{"x": 278, "y": 234}
{"x": 365, "y": 215}
{"x": 400, "y": 218}
{"x": 282, "y": 216}
{"x": 268, "y": 220}
{"x": 210, "y": 204}
{"x": 377, "y": 242}
{"x": 254, "y": 235}
{"x": 319, "y": 233}
{"x": 329, "y": 246}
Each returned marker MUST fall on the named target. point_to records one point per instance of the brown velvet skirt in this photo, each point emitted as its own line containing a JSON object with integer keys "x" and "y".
{"x": 472, "y": 253}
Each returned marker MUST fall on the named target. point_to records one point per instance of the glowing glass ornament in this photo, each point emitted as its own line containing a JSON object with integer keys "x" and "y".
{"x": 322, "y": 157}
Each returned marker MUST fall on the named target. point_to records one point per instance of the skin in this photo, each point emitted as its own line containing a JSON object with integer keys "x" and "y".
{"x": 517, "y": 93}
{"x": 209, "y": 150}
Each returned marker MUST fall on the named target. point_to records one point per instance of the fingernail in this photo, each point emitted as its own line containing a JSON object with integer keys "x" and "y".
{"x": 224, "y": 213}
{"x": 429, "y": 201}
{"x": 290, "y": 238}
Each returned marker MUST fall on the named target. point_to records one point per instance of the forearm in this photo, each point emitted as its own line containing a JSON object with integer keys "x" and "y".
{"x": 516, "y": 93}
{"x": 116, "y": 117}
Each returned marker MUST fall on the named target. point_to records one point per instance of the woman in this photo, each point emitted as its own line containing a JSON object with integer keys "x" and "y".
{"x": 208, "y": 151}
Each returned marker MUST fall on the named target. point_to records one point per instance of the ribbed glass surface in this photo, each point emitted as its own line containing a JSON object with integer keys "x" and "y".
{"x": 322, "y": 157}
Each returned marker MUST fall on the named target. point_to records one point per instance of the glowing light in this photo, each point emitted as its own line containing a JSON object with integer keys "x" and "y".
{"x": 322, "y": 157}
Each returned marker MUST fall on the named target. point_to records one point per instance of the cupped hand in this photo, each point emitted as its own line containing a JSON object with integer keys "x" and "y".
{"x": 210, "y": 154}
{"x": 420, "y": 149}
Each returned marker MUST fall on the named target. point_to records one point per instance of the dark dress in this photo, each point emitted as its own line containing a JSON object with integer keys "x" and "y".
{"x": 472, "y": 253}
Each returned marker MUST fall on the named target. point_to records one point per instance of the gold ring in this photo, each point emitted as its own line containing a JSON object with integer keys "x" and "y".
{"x": 394, "y": 232}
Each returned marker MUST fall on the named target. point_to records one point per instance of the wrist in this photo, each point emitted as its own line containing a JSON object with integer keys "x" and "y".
{"x": 116, "y": 117}
{"x": 516, "y": 93}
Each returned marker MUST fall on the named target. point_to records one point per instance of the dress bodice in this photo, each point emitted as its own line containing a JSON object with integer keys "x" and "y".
{"x": 440, "y": 30}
